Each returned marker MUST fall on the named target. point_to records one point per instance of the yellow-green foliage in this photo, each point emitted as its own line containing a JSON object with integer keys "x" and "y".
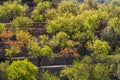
{"x": 50, "y": 76}
{"x": 100, "y": 47}
{"x": 73, "y": 29}
{"x": 22, "y": 70}
{"x": 22, "y": 23}
{"x": 2, "y": 28}
{"x": 10, "y": 10}
{"x": 37, "y": 50}
{"x": 112, "y": 32}
{"x": 86, "y": 69}
{"x": 3, "y": 70}
{"x": 40, "y": 10}
{"x": 12, "y": 51}
{"x": 68, "y": 7}
{"x": 60, "y": 39}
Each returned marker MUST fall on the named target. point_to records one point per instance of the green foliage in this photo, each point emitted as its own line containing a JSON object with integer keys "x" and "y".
{"x": 101, "y": 72}
{"x": 87, "y": 70}
{"x": 90, "y": 19}
{"x": 79, "y": 70}
{"x": 3, "y": 70}
{"x": 22, "y": 23}
{"x": 101, "y": 47}
{"x": 85, "y": 25}
{"x": 91, "y": 3}
{"x": 12, "y": 51}
{"x": 72, "y": 29}
{"x": 40, "y": 10}
{"x": 60, "y": 23}
{"x": 115, "y": 9}
{"x": 115, "y": 22}
{"x": 51, "y": 14}
{"x": 60, "y": 39}
{"x": 103, "y": 12}
{"x": 10, "y": 10}
{"x": 52, "y": 26}
{"x": 111, "y": 32}
{"x": 22, "y": 70}
{"x": 49, "y": 76}
{"x": 4, "y": 66}
{"x": 36, "y": 16}
{"x": 36, "y": 50}
{"x": 118, "y": 71}
{"x": 44, "y": 40}
{"x": 115, "y": 2}
{"x": 2, "y": 28}
{"x": 47, "y": 51}
{"x": 69, "y": 7}
{"x": 115, "y": 59}
{"x": 84, "y": 7}
{"x": 76, "y": 26}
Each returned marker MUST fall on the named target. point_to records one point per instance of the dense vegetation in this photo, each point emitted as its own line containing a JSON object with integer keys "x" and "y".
{"x": 87, "y": 30}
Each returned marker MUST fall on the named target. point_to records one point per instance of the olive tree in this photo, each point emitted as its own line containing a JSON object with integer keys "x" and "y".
{"x": 60, "y": 39}
{"x": 40, "y": 10}
{"x": 69, "y": 6}
{"x": 10, "y": 10}
{"x": 101, "y": 47}
{"x": 49, "y": 76}
{"x": 100, "y": 50}
{"x": 40, "y": 51}
{"x": 51, "y": 14}
{"x": 22, "y": 23}
{"x": 101, "y": 72}
{"x": 22, "y": 70}
{"x": 111, "y": 33}
{"x": 61, "y": 23}
{"x": 79, "y": 70}
{"x": 87, "y": 70}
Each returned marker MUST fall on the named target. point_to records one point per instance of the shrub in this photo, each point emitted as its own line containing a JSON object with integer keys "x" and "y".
{"x": 22, "y": 23}
{"x": 51, "y": 14}
{"x": 40, "y": 10}
{"x": 12, "y": 51}
{"x": 111, "y": 33}
{"x": 79, "y": 70}
{"x": 22, "y": 70}
{"x": 85, "y": 70}
{"x": 100, "y": 47}
{"x": 50, "y": 76}
{"x": 10, "y": 10}
{"x": 68, "y": 7}
{"x": 60, "y": 39}
{"x": 24, "y": 37}
{"x": 37, "y": 50}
